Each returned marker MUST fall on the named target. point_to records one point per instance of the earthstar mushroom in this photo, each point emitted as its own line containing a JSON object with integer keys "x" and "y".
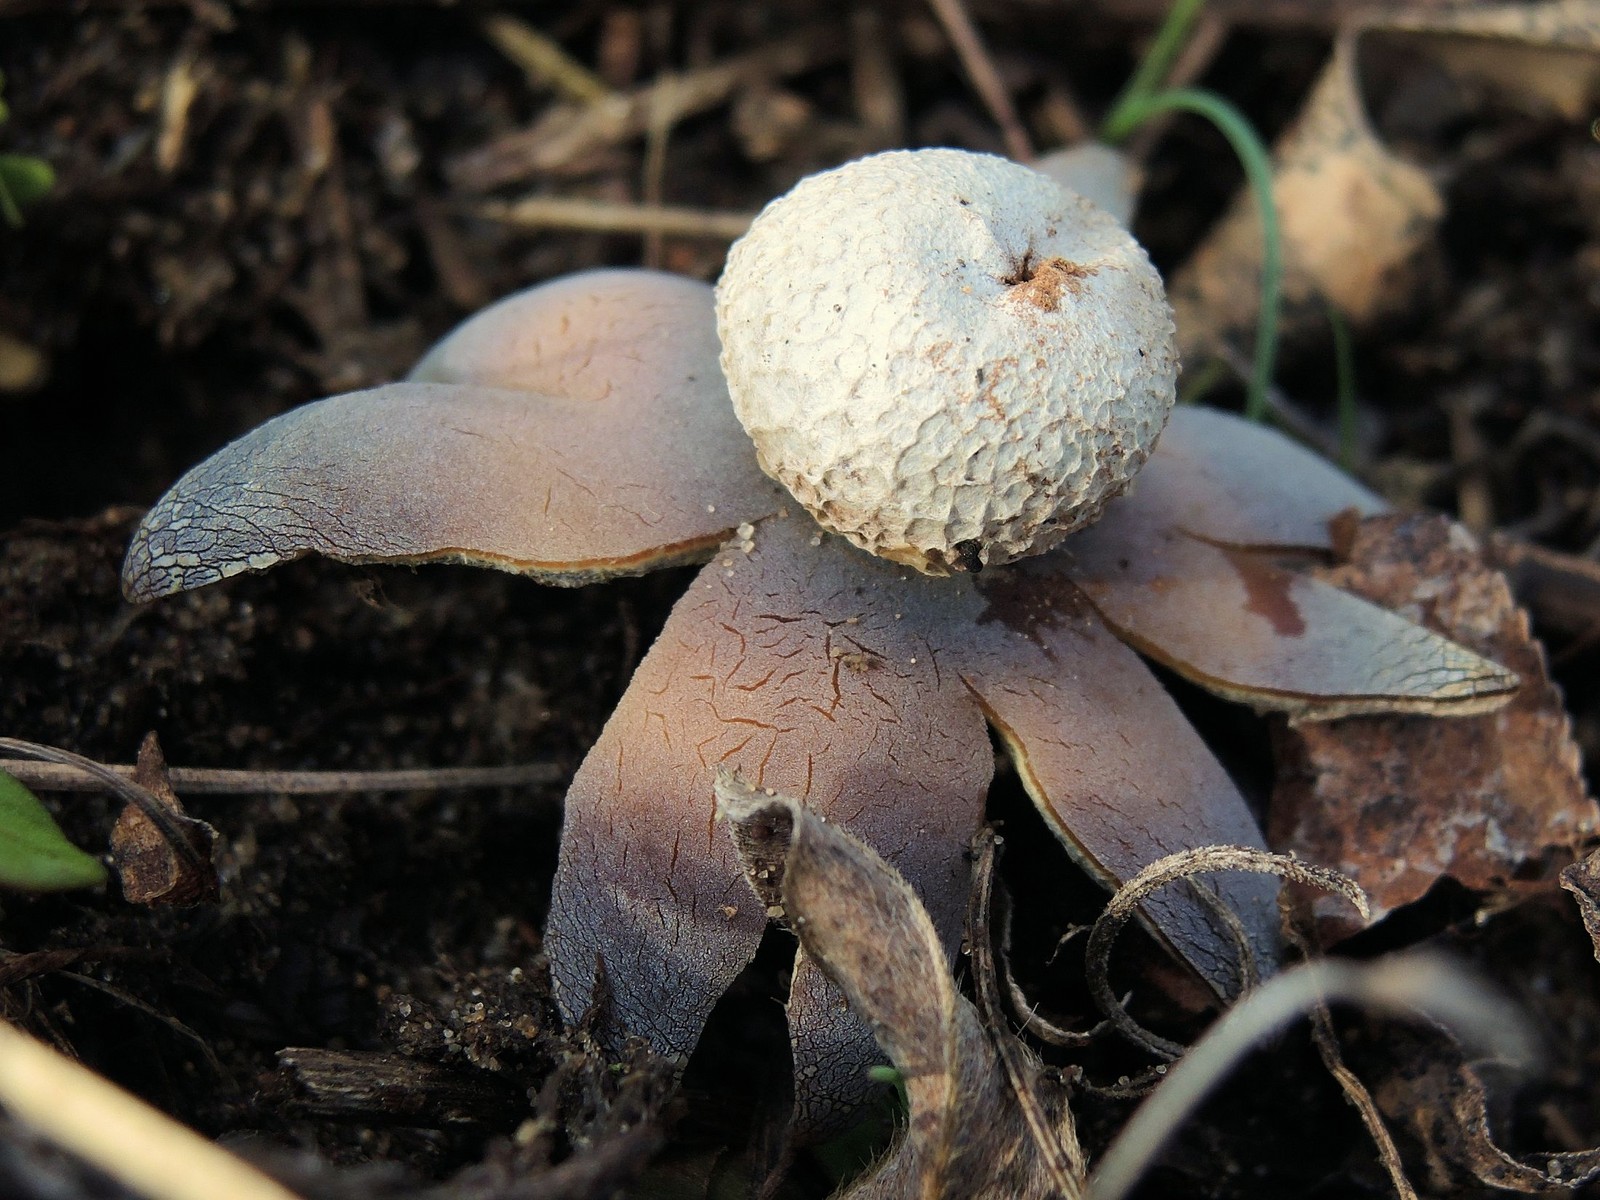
{"x": 946, "y": 357}
{"x": 533, "y": 440}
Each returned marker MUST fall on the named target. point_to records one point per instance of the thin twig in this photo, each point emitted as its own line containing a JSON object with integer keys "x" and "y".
{"x": 654, "y": 170}
{"x": 569, "y": 133}
{"x": 880, "y": 102}
{"x": 550, "y": 212}
{"x": 66, "y": 777}
{"x": 1469, "y": 452}
{"x": 543, "y": 60}
{"x": 980, "y": 68}
{"x": 1355, "y": 1091}
{"x": 1056, "y": 1141}
{"x": 128, "y": 1000}
{"x": 1294, "y": 418}
{"x": 1563, "y": 590}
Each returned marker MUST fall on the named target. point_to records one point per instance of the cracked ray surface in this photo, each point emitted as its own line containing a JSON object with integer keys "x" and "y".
{"x": 808, "y": 670}
{"x": 1240, "y": 626}
{"x": 1176, "y": 568}
{"x": 1112, "y": 764}
{"x": 819, "y": 671}
{"x": 619, "y": 454}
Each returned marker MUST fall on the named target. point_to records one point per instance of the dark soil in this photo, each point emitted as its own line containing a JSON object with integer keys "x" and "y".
{"x": 312, "y": 228}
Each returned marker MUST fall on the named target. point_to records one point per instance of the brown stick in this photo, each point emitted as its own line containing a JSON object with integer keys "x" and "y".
{"x": 60, "y": 777}
{"x": 567, "y": 134}
{"x": 980, "y": 68}
{"x": 599, "y": 216}
{"x": 1561, "y": 590}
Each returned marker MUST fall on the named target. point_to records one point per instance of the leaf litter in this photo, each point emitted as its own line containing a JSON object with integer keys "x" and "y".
{"x": 986, "y": 1116}
{"x": 1496, "y": 802}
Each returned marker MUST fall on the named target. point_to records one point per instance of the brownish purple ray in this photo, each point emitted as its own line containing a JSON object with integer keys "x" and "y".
{"x": 1178, "y": 567}
{"x": 807, "y": 667}
{"x": 598, "y": 441}
{"x": 1112, "y": 764}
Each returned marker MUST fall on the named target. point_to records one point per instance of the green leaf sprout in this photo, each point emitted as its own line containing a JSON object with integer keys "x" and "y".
{"x": 23, "y": 178}
{"x": 35, "y": 855}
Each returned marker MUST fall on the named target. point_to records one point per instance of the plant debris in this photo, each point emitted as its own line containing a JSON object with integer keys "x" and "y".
{"x": 1495, "y": 802}
{"x": 969, "y": 1132}
{"x": 147, "y": 866}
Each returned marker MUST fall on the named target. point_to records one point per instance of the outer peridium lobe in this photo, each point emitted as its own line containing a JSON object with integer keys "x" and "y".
{"x": 803, "y": 667}
{"x": 577, "y": 430}
{"x": 1113, "y": 765}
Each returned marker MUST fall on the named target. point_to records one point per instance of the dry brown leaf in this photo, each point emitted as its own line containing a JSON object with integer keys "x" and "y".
{"x": 1582, "y": 879}
{"x": 1548, "y": 51}
{"x": 150, "y": 869}
{"x": 1351, "y": 214}
{"x": 1354, "y": 213}
{"x": 967, "y": 1134}
{"x": 1495, "y": 801}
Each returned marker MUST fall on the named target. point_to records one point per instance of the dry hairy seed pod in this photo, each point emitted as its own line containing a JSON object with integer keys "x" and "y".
{"x": 946, "y": 357}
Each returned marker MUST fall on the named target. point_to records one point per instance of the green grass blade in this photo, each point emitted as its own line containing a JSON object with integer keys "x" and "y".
{"x": 1257, "y": 163}
{"x": 1344, "y": 378}
{"x": 1152, "y": 71}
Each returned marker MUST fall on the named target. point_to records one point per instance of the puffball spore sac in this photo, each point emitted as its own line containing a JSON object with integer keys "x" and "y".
{"x": 946, "y": 357}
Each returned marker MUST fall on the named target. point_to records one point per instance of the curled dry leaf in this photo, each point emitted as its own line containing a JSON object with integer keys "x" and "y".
{"x": 1431, "y": 1090}
{"x": 1186, "y": 866}
{"x": 967, "y": 1134}
{"x": 1582, "y": 879}
{"x": 150, "y": 869}
{"x": 1494, "y": 801}
{"x": 1354, "y": 214}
